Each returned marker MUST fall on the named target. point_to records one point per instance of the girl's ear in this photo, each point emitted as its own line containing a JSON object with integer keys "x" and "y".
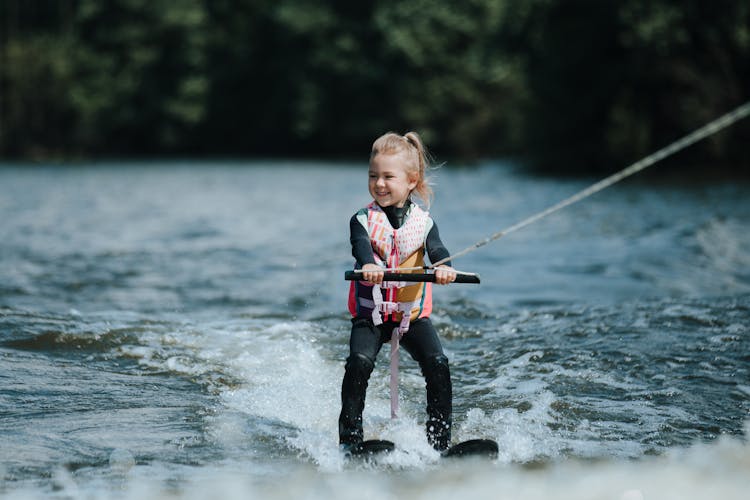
{"x": 413, "y": 181}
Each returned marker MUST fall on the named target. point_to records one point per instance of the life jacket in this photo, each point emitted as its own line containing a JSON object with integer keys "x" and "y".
{"x": 394, "y": 248}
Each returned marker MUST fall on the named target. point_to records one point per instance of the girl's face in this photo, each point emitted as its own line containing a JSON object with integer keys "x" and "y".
{"x": 389, "y": 182}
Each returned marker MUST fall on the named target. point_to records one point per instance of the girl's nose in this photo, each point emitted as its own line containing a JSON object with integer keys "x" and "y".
{"x": 380, "y": 182}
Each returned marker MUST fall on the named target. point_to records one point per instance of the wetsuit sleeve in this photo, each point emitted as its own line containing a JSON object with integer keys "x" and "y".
{"x": 434, "y": 245}
{"x": 360, "y": 240}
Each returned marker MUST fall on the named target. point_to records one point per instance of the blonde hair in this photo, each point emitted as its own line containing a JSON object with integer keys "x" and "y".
{"x": 416, "y": 158}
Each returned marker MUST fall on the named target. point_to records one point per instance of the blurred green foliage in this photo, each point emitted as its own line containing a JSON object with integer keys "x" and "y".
{"x": 570, "y": 85}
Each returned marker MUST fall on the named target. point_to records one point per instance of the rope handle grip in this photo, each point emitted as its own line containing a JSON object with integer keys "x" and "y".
{"x": 413, "y": 277}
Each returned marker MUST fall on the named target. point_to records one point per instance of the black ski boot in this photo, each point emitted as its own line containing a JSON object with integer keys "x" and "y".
{"x": 439, "y": 402}
{"x": 353, "y": 389}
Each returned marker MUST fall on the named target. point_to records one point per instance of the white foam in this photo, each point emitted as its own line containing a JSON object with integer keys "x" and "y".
{"x": 715, "y": 470}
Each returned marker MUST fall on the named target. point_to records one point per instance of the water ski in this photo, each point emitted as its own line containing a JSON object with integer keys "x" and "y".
{"x": 473, "y": 448}
{"x": 371, "y": 447}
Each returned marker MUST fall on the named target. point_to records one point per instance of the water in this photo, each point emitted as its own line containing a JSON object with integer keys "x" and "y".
{"x": 179, "y": 330}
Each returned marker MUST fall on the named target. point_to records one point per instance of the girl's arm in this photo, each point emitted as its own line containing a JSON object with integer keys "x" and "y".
{"x": 360, "y": 240}
{"x": 362, "y": 252}
{"x": 436, "y": 251}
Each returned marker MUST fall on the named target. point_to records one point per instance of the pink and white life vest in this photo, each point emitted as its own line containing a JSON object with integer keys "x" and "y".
{"x": 394, "y": 248}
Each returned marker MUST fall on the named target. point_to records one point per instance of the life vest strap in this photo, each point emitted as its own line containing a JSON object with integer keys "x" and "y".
{"x": 382, "y": 308}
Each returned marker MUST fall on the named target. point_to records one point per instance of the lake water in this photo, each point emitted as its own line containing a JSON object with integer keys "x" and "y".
{"x": 179, "y": 330}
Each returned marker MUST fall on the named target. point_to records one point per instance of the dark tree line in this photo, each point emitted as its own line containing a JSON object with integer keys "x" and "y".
{"x": 567, "y": 84}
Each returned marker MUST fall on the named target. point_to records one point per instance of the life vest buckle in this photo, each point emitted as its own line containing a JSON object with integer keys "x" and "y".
{"x": 388, "y": 307}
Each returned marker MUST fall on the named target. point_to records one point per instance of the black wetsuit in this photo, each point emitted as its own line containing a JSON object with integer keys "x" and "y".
{"x": 421, "y": 342}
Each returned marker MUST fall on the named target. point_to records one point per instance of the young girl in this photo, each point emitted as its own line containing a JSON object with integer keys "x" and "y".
{"x": 392, "y": 232}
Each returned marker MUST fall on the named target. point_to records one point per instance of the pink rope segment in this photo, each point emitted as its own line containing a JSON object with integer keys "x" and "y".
{"x": 395, "y": 336}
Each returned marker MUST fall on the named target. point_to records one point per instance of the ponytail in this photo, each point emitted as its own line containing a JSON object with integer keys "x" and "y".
{"x": 416, "y": 156}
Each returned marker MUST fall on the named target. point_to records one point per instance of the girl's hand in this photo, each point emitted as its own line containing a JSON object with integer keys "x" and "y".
{"x": 372, "y": 273}
{"x": 444, "y": 275}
